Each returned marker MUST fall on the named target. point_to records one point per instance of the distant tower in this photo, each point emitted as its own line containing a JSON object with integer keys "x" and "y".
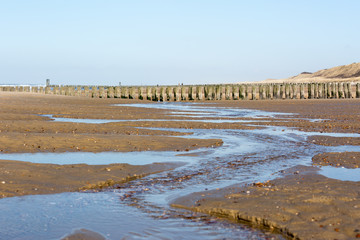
{"x": 47, "y": 82}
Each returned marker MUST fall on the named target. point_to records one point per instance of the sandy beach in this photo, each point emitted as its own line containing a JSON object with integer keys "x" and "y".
{"x": 301, "y": 204}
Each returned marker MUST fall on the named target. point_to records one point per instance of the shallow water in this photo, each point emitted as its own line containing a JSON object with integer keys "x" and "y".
{"x": 139, "y": 209}
{"x": 340, "y": 173}
{"x": 133, "y": 158}
{"x": 202, "y": 110}
{"x": 52, "y": 216}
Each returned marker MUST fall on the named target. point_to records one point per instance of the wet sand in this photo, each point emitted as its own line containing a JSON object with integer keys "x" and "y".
{"x": 337, "y": 159}
{"x": 22, "y": 178}
{"x": 330, "y": 115}
{"x": 333, "y": 212}
{"x": 23, "y": 129}
{"x": 302, "y": 204}
{"x": 334, "y": 141}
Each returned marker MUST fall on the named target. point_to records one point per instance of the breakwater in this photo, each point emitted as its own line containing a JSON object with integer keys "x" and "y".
{"x": 203, "y": 92}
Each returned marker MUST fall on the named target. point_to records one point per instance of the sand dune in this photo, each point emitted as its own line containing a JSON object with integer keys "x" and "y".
{"x": 345, "y": 73}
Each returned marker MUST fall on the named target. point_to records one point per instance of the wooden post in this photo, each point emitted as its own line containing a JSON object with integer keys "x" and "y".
{"x": 236, "y": 92}
{"x": 185, "y": 93}
{"x": 282, "y": 91}
{"x": 302, "y": 91}
{"x": 193, "y": 93}
{"x": 170, "y": 93}
{"x": 164, "y": 96}
{"x": 143, "y": 93}
{"x": 332, "y": 90}
{"x": 268, "y": 91}
{"x": 264, "y": 92}
{"x": 209, "y": 93}
{"x": 223, "y": 92}
{"x": 77, "y": 91}
{"x": 178, "y": 92}
{"x": 241, "y": 92}
{"x": 247, "y": 92}
{"x": 47, "y": 90}
{"x": 201, "y": 93}
{"x": 110, "y": 92}
{"x": 253, "y": 92}
{"x": 117, "y": 92}
{"x": 287, "y": 91}
{"x": 320, "y": 90}
{"x": 156, "y": 94}
{"x": 57, "y": 90}
{"x": 346, "y": 91}
{"x": 153, "y": 94}
{"x": 149, "y": 92}
{"x": 349, "y": 87}
{"x": 217, "y": 92}
{"x": 102, "y": 93}
{"x": 341, "y": 90}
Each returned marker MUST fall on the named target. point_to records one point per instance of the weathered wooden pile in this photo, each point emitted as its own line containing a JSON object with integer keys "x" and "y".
{"x": 203, "y": 92}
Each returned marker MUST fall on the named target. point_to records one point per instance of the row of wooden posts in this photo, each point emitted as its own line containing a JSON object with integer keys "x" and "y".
{"x": 203, "y": 92}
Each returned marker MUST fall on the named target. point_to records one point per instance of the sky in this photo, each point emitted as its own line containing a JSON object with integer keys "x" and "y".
{"x": 168, "y": 42}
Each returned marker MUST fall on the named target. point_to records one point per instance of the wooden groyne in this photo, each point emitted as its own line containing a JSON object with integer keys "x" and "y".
{"x": 333, "y": 90}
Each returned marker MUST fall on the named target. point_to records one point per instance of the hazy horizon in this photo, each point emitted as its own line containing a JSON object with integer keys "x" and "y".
{"x": 150, "y": 42}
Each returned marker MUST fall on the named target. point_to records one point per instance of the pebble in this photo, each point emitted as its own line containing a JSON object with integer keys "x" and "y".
{"x": 3, "y": 182}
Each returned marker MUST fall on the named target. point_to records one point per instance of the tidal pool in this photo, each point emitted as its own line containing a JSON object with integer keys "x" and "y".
{"x": 102, "y": 158}
{"x": 340, "y": 173}
{"x": 140, "y": 209}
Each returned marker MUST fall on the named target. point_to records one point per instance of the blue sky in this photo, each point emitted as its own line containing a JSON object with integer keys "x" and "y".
{"x": 147, "y": 42}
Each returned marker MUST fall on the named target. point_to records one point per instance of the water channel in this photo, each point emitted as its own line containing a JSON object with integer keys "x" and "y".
{"x": 140, "y": 209}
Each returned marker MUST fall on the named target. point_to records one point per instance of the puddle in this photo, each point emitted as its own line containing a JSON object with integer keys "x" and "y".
{"x": 246, "y": 156}
{"x": 343, "y": 174}
{"x": 102, "y": 121}
{"x": 203, "y": 111}
{"x": 134, "y": 158}
{"x": 80, "y": 120}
